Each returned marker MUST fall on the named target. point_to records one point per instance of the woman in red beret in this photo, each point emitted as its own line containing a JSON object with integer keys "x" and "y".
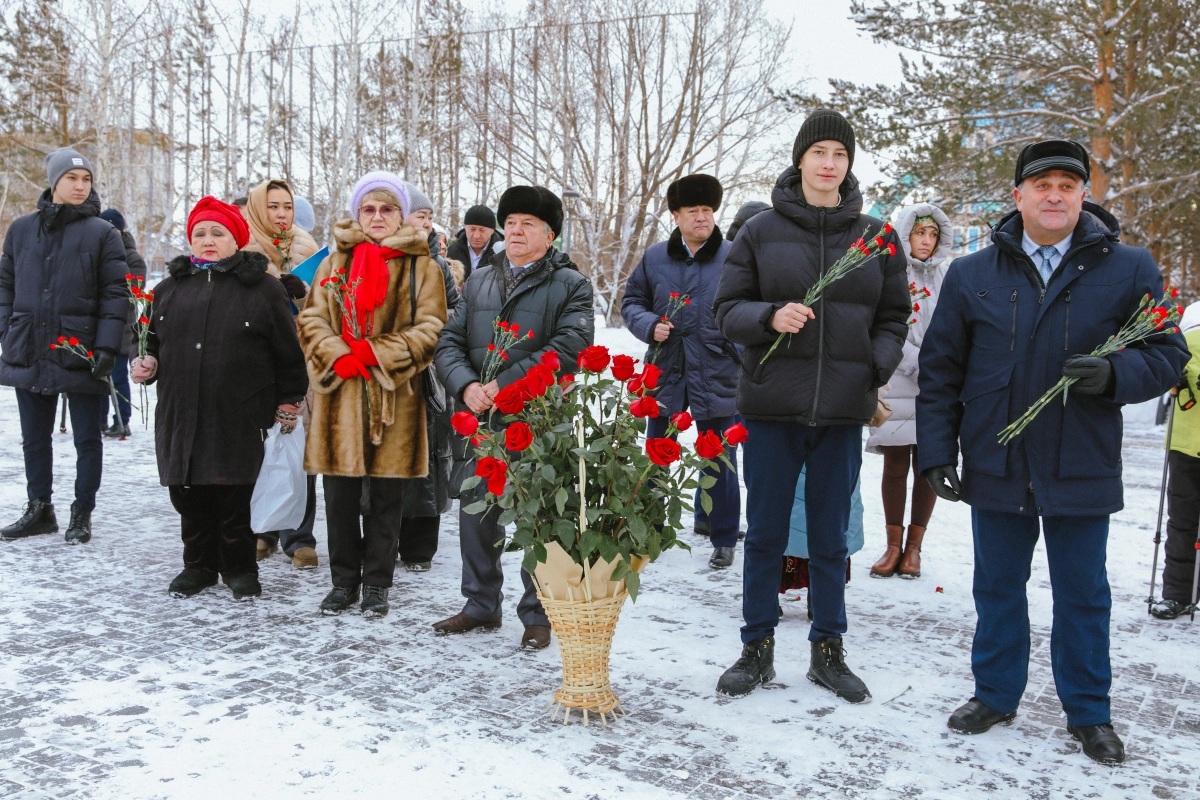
{"x": 224, "y": 352}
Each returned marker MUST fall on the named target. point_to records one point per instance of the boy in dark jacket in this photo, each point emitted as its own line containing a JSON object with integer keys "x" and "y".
{"x": 1012, "y": 319}
{"x": 62, "y": 275}
{"x": 806, "y": 405}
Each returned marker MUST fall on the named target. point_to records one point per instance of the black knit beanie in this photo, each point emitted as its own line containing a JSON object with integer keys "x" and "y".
{"x": 822, "y": 125}
{"x": 481, "y": 216}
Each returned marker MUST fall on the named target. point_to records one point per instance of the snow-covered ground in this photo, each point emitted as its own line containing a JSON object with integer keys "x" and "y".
{"x": 109, "y": 688}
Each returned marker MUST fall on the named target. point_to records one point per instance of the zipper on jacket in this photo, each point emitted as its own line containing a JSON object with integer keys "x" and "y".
{"x": 1012, "y": 345}
{"x": 812, "y": 421}
{"x": 1067, "y": 335}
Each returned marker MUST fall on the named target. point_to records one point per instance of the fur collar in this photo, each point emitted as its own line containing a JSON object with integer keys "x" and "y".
{"x": 707, "y": 252}
{"x": 248, "y": 267}
{"x": 348, "y": 233}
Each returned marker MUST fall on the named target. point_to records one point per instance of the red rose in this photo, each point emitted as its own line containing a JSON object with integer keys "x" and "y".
{"x": 622, "y": 368}
{"x": 510, "y": 399}
{"x": 464, "y": 423}
{"x": 493, "y": 471}
{"x": 539, "y": 378}
{"x": 518, "y": 437}
{"x": 550, "y": 359}
{"x": 644, "y": 407}
{"x": 594, "y": 358}
{"x": 682, "y": 421}
{"x": 650, "y": 375}
{"x": 708, "y": 445}
{"x": 736, "y": 434}
{"x": 662, "y": 451}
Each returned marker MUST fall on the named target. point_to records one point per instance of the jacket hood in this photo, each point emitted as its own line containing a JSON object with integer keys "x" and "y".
{"x": 1094, "y": 224}
{"x": 54, "y": 215}
{"x": 707, "y": 252}
{"x": 788, "y": 199}
{"x": 348, "y": 233}
{"x": 907, "y": 219}
{"x": 249, "y": 267}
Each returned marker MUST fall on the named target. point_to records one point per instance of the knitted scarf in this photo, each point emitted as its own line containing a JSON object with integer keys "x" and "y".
{"x": 369, "y": 267}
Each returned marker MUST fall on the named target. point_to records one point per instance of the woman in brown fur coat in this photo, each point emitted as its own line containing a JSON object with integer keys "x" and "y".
{"x": 368, "y": 416}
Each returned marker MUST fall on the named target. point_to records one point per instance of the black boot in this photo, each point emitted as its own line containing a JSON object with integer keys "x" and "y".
{"x": 1168, "y": 609}
{"x": 1100, "y": 743}
{"x": 38, "y": 519}
{"x": 974, "y": 717}
{"x": 757, "y": 665}
{"x": 115, "y": 431}
{"x": 702, "y": 528}
{"x": 722, "y": 557}
{"x": 829, "y": 669}
{"x": 374, "y": 602}
{"x": 339, "y": 600}
{"x": 244, "y": 586}
{"x": 190, "y": 582}
{"x": 79, "y": 531}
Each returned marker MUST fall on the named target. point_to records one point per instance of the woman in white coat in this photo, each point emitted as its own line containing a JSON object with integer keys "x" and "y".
{"x": 925, "y": 233}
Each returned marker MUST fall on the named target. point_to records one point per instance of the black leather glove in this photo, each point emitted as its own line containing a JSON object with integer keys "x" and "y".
{"x": 944, "y": 482}
{"x": 296, "y": 288}
{"x": 1094, "y": 374}
{"x": 103, "y": 366}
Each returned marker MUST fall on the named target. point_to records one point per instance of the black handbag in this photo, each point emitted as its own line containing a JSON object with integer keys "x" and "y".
{"x": 435, "y": 392}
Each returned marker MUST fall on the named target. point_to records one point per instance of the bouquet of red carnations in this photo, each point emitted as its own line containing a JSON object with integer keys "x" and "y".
{"x": 504, "y": 337}
{"x": 674, "y": 303}
{"x": 143, "y": 306}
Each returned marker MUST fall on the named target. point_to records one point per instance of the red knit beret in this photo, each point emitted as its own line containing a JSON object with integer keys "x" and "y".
{"x": 213, "y": 210}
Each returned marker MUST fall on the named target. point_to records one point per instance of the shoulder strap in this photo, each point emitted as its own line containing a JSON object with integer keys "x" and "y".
{"x": 412, "y": 288}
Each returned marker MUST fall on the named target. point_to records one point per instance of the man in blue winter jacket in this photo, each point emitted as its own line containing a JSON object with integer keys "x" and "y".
{"x": 700, "y": 367}
{"x": 1012, "y": 320}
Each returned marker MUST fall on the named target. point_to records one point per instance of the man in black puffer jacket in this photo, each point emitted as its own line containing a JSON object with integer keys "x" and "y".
{"x": 534, "y": 286}
{"x": 62, "y": 275}
{"x": 807, "y": 403}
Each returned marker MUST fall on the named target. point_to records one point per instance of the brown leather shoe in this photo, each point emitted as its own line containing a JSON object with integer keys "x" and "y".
{"x": 305, "y": 558}
{"x": 910, "y": 566}
{"x": 885, "y": 567}
{"x": 536, "y": 637}
{"x": 264, "y": 550}
{"x": 461, "y": 623}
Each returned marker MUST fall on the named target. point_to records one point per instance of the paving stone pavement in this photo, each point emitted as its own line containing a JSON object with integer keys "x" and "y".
{"x": 110, "y": 688}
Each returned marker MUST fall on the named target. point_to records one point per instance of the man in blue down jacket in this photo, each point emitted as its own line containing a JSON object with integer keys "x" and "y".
{"x": 700, "y": 367}
{"x": 1011, "y": 321}
{"x": 62, "y": 274}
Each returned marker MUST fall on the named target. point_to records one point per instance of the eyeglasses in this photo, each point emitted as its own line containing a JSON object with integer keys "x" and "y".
{"x": 387, "y": 212}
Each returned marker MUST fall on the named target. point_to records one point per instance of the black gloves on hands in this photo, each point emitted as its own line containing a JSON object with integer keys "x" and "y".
{"x": 296, "y": 288}
{"x": 1094, "y": 374}
{"x": 944, "y": 482}
{"x": 104, "y": 364}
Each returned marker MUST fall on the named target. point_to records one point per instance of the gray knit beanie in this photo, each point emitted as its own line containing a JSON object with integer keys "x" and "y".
{"x": 418, "y": 198}
{"x": 822, "y": 125}
{"x": 62, "y": 161}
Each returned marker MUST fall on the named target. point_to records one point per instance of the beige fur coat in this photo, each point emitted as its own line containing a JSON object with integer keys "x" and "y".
{"x": 392, "y": 443}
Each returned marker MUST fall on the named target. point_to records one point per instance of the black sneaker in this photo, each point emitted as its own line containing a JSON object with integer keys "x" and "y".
{"x": 38, "y": 519}
{"x": 756, "y": 666}
{"x": 79, "y": 531}
{"x": 191, "y": 582}
{"x": 829, "y": 669}
{"x": 244, "y": 587}
{"x": 1168, "y": 609}
{"x": 374, "y": 602}
{"x": 339, "y": 600}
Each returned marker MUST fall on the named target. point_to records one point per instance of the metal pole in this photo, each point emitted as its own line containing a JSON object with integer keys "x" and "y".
{"x": 1162, "y": 499}
{"x": 62, "y": 420}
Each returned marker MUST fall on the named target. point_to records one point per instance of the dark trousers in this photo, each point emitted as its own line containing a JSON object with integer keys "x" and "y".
{"x": 1075, "y": 551}
{"x": 1183, "y": 520}
{"x": 726, "y": 494}
{"x": 482, "y": 577}
{"x": 774, "y": 455}
{"x": 120, "y": 380}
{"x": 292, "y": 540}
{"x": 215, "y": 525}
{"x": 365, "y": 554}
{"x": 419, "y": 538}
{"x": 38, "y": 413}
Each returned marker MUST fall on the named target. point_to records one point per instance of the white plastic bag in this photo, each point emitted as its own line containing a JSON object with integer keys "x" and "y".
{"x": 281, "y": 491}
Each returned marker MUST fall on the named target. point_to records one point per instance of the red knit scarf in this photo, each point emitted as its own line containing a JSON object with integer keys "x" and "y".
{"x": 369, "y": 265}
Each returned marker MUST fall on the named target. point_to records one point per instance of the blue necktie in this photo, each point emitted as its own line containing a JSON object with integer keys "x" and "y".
{"x": 1045, "y": 268}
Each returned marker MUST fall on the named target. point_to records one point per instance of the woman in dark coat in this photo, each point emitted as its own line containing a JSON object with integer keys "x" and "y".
{"x": 224, "y": 351}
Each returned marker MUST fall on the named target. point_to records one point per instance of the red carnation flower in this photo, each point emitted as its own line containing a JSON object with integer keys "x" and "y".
{"x": 682, "y": 421}
{"x": 708, "y": 445}
{"x": 493, "y": 470}
{"x": 887, "y": 228}
{"x": 514, "y": 329}
{"x": 143, "y": 320}
{"x": 594, "y": 358}
{"x": 916, "y": 306}
{"x": 528, "y": 334}
{"x": 687, "y": 301}
{"x": 275, "y": 242}
{"x": 492, "y": 346}
{"x": 128, "y": 276}
{"x": 736, "y": 434}
{"x": 891, "y": 249}
{"x": 73, "y": 341}
{"x": 53, "y": 346}
{"x": 623, "y": 368}
{"x": 464, "y": 423}
{"x": 662, "y": 451}
{"x": 89, "y": 354}
{"x": 518, "y": 437}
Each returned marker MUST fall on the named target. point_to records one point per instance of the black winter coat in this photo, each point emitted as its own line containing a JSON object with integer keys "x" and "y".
{"x": 554, "y": 301}
{"x": 137, "y": 268}
{"x": 430, "y": 496}
{"x": 828, "y": 373}
{"x": 62, "y": 274}
{"x": 459, "y": 250}
{"x": 228, "y": 355}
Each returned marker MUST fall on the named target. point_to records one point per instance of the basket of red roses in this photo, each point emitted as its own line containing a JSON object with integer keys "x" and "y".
{"x": 589, "y": 502}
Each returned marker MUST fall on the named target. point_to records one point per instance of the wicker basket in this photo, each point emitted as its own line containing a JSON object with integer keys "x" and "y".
{"x": 585, "y": 632}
